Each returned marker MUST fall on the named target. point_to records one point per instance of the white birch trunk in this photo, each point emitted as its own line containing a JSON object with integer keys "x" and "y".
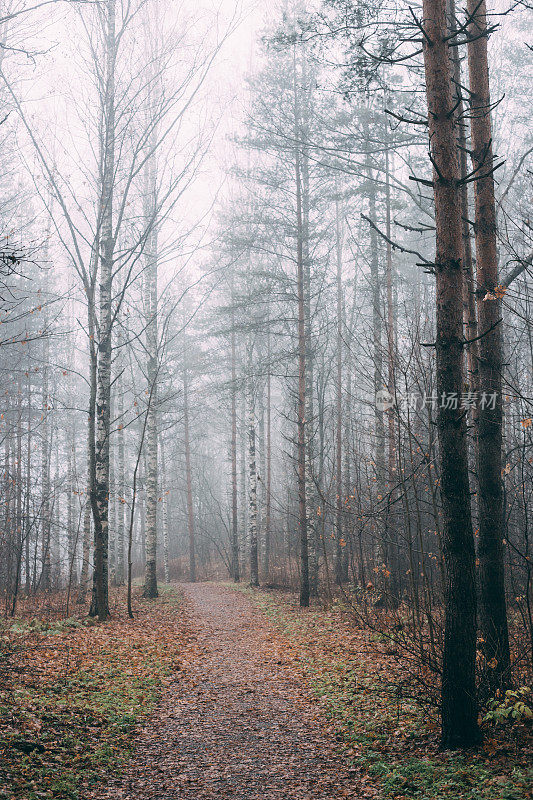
{"x": 252, "y": 484}
{"x": 164, "y": 491}
{"x": 121, "y": 475}
{"x": 100, "y": 470}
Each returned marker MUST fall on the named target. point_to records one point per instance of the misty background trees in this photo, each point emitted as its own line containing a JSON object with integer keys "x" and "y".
{"x": 266, "y": 316}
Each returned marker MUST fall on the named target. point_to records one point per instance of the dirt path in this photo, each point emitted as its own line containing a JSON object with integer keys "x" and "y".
{"x": 238, "y": 726}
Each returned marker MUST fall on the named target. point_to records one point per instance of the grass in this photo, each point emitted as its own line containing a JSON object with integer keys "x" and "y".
{"x": 66, "y": 724}
{"x": 390, "y": 738}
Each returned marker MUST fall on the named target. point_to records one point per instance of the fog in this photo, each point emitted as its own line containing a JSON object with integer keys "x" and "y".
{"x": 265, "y": 310}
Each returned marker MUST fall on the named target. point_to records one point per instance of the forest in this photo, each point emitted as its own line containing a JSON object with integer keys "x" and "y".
{"x": 266, "y": 427}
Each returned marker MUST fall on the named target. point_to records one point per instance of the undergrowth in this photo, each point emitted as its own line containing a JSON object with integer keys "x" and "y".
{"x": 391, "y": 738}
{"x": 75, "y": 693}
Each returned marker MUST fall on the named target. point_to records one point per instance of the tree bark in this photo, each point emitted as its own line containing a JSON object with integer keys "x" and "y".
{"x": 235, "y": 573}
{"x": 268, "y": 498}
{"x": 164, "y": 492}
{"x": 391, "y": 529}
{"x": 27, "y": 524}
{"x": 121, "y": 472}
{"x": 302, "y": 353}
{"x": 252, "y": 477}
{"x": 91, "y": 427}
{"x": 339, "y": 541}
{"x": 150, "y": 304}
{"x": 459, "y": 707}
{"x": 100, "y": 471}
{"x": 469, "y": 289}
{"x": 382, "y": 547}
{"x": 188, "y": 477}
{"x": 46, "y": 574}
{"x": 71, "y": 527}
{"x": 493, "y": 610}
{"x": 301, "y": 100}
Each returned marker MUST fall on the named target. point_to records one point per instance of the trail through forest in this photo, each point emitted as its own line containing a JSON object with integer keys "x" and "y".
{"x": 237, "y": 724}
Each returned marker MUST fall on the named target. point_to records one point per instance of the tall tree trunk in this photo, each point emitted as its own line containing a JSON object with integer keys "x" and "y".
{"x": 5, "y": 566}
{"x": 391, "y": 532}
{"x": 27, "y": 525}
{"x": 469, "y": 299}
{"x": 55, "y": 534}
{"x": 71, "y": 527}
{"x": 252, "y": 477}
{"x": 311, "y": 502}
{"x": 459, "y": 707}
{"x": 100, "y": 468}
{"x": 91, "y": 433}
{"x": 188, "y": 476}
{"x": 302, "y": 354}
{"x": 469, "y": 288}
{"x": 235, "y": 574}
{"x": 377, "y": 359}
{"x": 112, "y": 504}
{"x": 86, "y": 552}
{"x": 261, "y": 462}
{"x": 243, "y": 472}
{"x": 46, "y": 574}
{"x": 268, "y": 498}
{"x": 150, "y": 302}
{"x": 164, "y": 492}
{"x": 339, "y": 541}
{"x": 121, "y": 473}
{"x": 19, "y": 542}
{"x": 493, "y": 616}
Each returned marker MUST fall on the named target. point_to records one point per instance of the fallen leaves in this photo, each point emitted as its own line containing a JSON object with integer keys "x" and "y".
{"x": 393, "y": 740}
{"x": 75, "y": 692}
{"x": 241, "y": 723}
{"x": 266, "y": 697}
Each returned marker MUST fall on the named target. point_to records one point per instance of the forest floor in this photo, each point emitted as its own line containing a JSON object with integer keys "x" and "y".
{"x": 217, "y": 691}
{"x": 239, "y": 724}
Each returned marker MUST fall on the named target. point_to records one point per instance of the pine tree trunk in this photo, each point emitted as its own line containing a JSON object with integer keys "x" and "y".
{"x": 459, "y": 707}
{"x": 391, "y": 531}
{"x": 493, "y": 609}
{"x": 379, "y": 421}
{"x": 469, "y": 298}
